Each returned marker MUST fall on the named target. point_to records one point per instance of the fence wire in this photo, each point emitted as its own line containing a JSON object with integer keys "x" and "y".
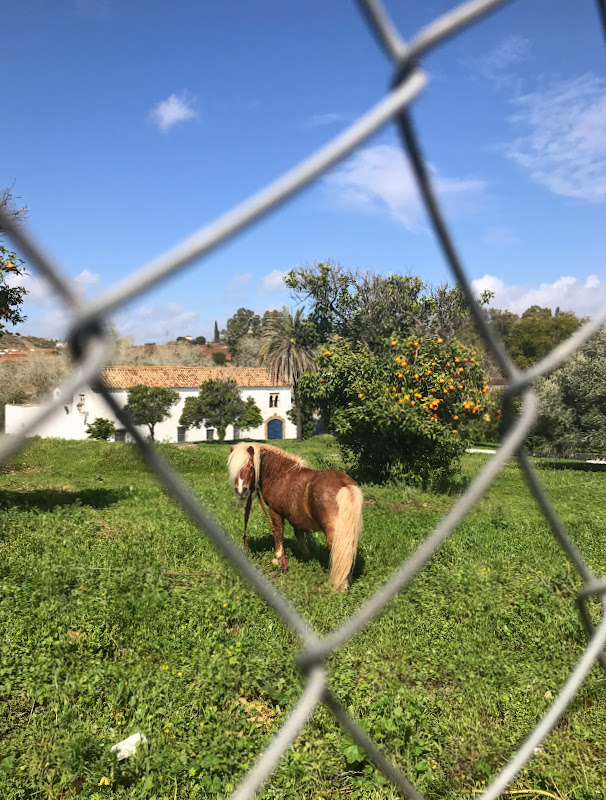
{"x": 90, "y": 343}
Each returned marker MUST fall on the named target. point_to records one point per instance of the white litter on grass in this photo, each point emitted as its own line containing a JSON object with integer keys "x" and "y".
{"x": 128, "y": 747}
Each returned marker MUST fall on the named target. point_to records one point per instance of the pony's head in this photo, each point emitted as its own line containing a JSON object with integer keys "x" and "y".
{"x": 243, "y": 466}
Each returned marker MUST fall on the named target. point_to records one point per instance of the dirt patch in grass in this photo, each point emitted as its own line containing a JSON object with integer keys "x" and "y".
{"x": 258, "y": 712}
{"x": 9, "y": 469}
{"x": 107, "y": 531}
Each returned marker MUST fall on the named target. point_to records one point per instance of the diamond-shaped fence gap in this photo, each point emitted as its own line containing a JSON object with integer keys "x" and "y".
{"x": 90, "y": 346}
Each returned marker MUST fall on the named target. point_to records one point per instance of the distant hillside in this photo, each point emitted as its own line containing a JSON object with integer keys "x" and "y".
{"x": 20, "y": 346}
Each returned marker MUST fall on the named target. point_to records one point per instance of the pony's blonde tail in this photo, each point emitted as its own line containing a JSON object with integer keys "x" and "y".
{"x": 346, "y": 536}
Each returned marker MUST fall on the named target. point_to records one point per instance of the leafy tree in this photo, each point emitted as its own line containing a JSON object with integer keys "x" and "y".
{"x": 369, "y": 307}
{"x": 268, "y": 316}
{"x": 572, "y": 404}
{"x": 101, "y": 428}
{"x": 538, "y": 332}
{"x": 288, "y": 349}
{"x": 502, "y": 321}
{"x": 218, "y": 405}
{"x": 199, "y": 340}
{"x": 28, "y": 381}
{"x": 243, "y": 321}
{"x": 217, "y": 337}
{"x": 401, "y": 413}
{"x": 11, "y": 297}
{"x": 247, "y": 352}
{"x": 219, "y": 359}
{"x": 149, "y": 405}
{"x": 251, "y": 417}
{"x": 308, "y": 421}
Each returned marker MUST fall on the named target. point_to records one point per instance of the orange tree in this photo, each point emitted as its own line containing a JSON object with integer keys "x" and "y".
{"x": 402, "y": 413}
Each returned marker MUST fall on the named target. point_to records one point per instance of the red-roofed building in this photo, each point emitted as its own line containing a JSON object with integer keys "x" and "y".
{"x": 70, "y": 420}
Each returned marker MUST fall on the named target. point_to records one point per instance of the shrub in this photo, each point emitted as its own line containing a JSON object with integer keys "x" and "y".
{"x": 219, "y": 359}
{"x": 101, "y": 428}
{"x": 400, "y": 414}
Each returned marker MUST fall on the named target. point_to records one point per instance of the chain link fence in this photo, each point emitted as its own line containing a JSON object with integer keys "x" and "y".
{"x": 91, "y": 345}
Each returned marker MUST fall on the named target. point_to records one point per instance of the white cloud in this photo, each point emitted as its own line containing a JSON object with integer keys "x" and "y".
{"x": 563, "y": 146}
{"x": 496, "y": 65}
{"x": 585, "y": 298}
{"x": 40, "y": 292}
{"x": 273, "y": 281}
{"x": 318, "y": 120}
{"x": 173, "y": 110}
{"x": 85, "y": 281}
{"x": 154, "y": 322}
{"x": 239, "y": 281}
{"x": 379, "y": 180}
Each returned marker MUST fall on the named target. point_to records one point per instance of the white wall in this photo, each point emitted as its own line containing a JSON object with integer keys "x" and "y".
{"x": 70, "y": 421}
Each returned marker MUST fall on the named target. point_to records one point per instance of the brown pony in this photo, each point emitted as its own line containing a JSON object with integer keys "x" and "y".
{"x": 310, "y": 499}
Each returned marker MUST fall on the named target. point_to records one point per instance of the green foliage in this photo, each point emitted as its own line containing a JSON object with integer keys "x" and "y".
{"x": 369, "y": 307}
{"x": 251, "y": 417}
{"x": 242, "y": 322}
{"x": 11, "y": 297}
{"x": 199, "y": 340}
{"x": 101, "y": 428}
{"x": 149, "y": 405}
{"x": 401, "y": 414}
{"x": 538, "y": 332}
{"x": 217, "y": 335}
{"x": 218, "y": 405}
{"x": 308, "y": 421}
{"x": 572, "y": 404}
{"x": 502, "y": 321}
{"x": 480, "y": 431}
{"x": 219, "y": 359}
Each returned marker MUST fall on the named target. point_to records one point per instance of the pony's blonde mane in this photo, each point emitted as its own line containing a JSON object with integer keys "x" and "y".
{"x": 239, "y": 456}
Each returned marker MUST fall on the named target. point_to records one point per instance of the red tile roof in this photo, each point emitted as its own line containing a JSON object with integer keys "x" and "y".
{"x": 184, "y": 377}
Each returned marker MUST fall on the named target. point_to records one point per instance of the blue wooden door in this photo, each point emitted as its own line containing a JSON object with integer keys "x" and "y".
{"x": 275, "y": 429}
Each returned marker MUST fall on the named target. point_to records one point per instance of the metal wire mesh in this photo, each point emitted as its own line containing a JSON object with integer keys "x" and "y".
{"x": 90, "y": 343}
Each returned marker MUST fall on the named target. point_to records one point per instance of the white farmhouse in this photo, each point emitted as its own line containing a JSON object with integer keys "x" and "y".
{"x": 70, "y": 420}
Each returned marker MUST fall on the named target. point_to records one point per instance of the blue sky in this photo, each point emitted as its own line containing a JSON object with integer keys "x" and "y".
{"x": 129, "y": 125}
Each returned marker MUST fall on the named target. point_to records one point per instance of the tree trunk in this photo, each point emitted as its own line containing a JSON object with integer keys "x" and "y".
{"x": 151, "y": 431}
{"x": 299, "y": 419}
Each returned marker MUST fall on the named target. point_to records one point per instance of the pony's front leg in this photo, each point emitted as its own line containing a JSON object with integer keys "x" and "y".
{"x": 277, "y": 523}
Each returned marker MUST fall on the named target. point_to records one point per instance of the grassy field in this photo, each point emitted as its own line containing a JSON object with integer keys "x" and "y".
{"x": 99, "y": 640}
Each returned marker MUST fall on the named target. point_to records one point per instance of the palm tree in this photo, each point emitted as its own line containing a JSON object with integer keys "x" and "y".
{"x": 287, "y": 351}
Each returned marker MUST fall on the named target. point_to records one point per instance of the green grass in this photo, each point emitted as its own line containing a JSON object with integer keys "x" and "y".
{"x": 98, "y": 641}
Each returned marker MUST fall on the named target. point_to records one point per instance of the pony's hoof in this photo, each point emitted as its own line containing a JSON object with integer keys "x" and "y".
{"x": 277, "y": 562}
